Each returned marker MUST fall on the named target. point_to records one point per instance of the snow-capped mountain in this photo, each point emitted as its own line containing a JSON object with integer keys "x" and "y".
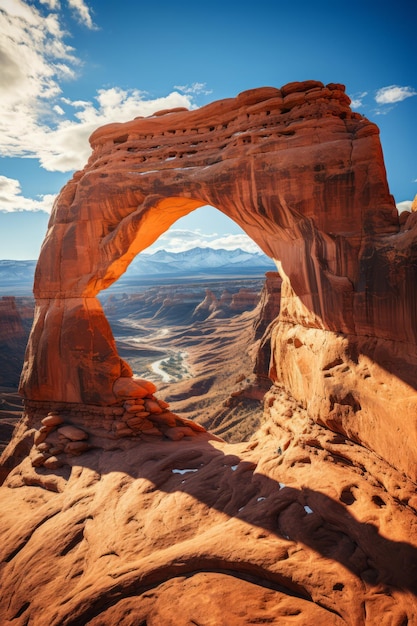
{"x": 198, "y": 260}
{"x": 16, "y": 277}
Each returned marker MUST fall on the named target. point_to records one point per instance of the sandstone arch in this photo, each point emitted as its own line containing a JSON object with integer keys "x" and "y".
{"x": 304, "y": 176}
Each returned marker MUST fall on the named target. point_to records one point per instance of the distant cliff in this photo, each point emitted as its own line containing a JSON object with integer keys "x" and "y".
{"x": 16, "y": 317}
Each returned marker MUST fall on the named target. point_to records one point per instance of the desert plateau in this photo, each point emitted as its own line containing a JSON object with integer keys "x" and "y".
{"x": 228, "y": 448}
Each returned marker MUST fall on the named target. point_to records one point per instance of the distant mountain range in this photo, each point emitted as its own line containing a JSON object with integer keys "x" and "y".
{"x": 199, "y": 260}
{"x": 16, "y": 277}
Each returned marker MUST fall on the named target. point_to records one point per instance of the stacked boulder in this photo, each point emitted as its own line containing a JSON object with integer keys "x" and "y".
{"x": 146, "y": 415}
{"x": 139, "y": 414}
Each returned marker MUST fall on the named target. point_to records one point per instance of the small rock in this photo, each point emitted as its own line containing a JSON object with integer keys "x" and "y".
{"x": 52, "y": 419}
{"x": 165, "y": 419}
{"x": 53, "y": 462}
{"x": 39, "y": 437}
{"x": 125, "y": 432}
{"x": 43, "y": 447}
{"x": 154, "y": 432}
{"x": 152, "y": 406}
{"x": 73, "y": 433}
{"x": 137, "y": 422}
{"x": 38, "y": 460}
{"x": 133, "y": 408}
{"x": 193, "y": 425}
{"x": 54, "y": 450}
{"x": 76, "y": 447}
{"x": 179, "y": 432}
{"x": 141, "y": 414}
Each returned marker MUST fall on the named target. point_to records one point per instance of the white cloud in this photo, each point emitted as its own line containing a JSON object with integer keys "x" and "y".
{"x": 179, "y": 240}
{"x": 194, "y": 88}
{"x": 393, "y": 94}
{"x": 11, "y": 198}
{"x": 66, "y": 146}
{"x": 405, "y": 205}
{"x": 35, "y": 60}
{"x": 53, "y": 5}
{"x": 357, "y": 99}
{"x": 82, "y": 12}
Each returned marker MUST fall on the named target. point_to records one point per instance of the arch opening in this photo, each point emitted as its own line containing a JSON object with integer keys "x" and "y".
{"x": 192, "y": 330}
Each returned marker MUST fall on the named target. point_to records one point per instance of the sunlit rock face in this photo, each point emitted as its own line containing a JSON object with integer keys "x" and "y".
{"x": 117, "y": 511}
{"x": 304, "y": 177}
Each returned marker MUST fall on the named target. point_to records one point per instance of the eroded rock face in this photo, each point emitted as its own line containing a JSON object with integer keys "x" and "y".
{"x": 297, "y": 524}
{"x": 108, "y": 518}
{"x": 304, "y": 176}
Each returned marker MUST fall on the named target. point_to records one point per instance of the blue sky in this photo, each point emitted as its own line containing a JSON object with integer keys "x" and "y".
{"x": 69, "y": 66}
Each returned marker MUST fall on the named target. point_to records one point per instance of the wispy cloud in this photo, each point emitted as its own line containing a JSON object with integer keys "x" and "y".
{"x": 179, "y": 240}
{"x": 194, "y": 88}
{"x": 393, "y": 94}
{"x": 37, "y": 120}
{"x": 80, "y": 9}
{"x": 53, "y": 5}
{"x": 82, "y": 12}
{"x": 386, "y": 98}
{"x": 65, "y": 147}
{"x": 11, "y": 198}
{"x": 357, "y": 99}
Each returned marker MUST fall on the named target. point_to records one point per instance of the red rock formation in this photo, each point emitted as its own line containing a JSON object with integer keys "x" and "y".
{"x": 244, "y": 300}
{"x": 269, "y": 307}
{"x": 315, "y": 516}
{"x": 305, "y": 178}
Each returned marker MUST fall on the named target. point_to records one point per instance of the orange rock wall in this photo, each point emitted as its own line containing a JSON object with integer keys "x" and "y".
{"x": 304, "y": 176}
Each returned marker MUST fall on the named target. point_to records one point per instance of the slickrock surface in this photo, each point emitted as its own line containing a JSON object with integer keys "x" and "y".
{"x": 299, "y": 525}
{"x": 125, "y": 512}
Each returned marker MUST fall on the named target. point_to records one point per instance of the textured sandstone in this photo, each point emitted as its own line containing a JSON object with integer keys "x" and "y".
{"x": 151, "y": 519}
{"x": 304, "y": 176}
{"x": 297, "y": 524}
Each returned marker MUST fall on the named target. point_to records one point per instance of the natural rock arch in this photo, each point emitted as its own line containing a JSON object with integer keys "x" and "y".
{"x": 302, "y": 175}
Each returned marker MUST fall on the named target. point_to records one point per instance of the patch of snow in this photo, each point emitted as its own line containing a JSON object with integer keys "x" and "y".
{"x": 260, "y": 499}
{"x": 233, "y": 468}
{"x": 183, "y": 471}
{"x": 282, "y": 485}
{"x": 308, "y": 510}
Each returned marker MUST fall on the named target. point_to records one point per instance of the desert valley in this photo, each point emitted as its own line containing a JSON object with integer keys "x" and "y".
{"x": 229, "y": 446}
